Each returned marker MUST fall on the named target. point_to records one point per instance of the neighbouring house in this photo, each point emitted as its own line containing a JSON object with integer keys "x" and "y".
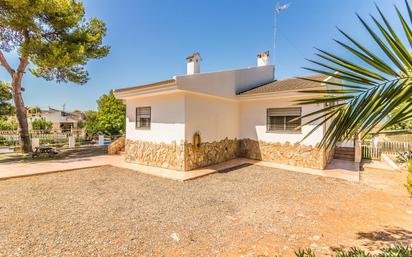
{"x": 200, "y": 119}
{"x": 62, "y": 120}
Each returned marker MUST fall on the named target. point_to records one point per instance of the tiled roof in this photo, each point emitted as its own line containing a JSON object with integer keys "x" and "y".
{"x": 286, "y": 85}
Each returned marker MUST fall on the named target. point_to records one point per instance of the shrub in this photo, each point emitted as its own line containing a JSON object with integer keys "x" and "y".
{"x": 8, "y": 124}
{"x": 397, "y": 251}
{"x": 404, "y": 157}
{"x": 42, "y": 124}
{"x": 5, "y": 141}
{"x": 409, "y": 183}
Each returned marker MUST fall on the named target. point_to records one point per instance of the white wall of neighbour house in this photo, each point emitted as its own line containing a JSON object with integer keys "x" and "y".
{"x": 226, "y": 83}
{"x": 215, "y": 118}
{"x": 55, "y": 117}
{"x": 253, "y": 122}
{"x": 167, "y": 118}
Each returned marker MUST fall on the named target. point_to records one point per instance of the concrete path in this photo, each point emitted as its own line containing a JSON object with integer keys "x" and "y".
{"x": 13, "y": 170}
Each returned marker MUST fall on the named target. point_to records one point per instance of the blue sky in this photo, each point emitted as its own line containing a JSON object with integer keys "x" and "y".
{"x": 150, "y": 39}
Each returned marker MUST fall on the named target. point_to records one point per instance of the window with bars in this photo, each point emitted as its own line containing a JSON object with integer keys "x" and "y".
{"x": 143, "y": 117}
{"x": 280, "y": 120}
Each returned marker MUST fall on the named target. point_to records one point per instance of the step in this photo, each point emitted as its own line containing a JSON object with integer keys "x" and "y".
{"x": 346, "y": 154}
{"x": 344, "y": 150}
{"x": 344, "y": 158}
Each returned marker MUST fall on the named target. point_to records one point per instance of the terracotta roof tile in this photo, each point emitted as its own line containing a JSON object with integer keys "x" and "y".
{"x": 285, "y": 85}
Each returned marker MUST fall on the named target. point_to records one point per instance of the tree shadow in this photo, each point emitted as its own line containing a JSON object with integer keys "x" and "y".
{"x": 375, "y": 240}
{"x": 64, "y": 155}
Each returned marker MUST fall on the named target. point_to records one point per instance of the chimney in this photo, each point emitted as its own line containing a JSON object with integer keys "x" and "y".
{"x": 193, "y": 63}
{"x": 263, "y": 58}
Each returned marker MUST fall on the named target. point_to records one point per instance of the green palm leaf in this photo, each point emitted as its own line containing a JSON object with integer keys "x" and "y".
{"x": 363, "y": 94}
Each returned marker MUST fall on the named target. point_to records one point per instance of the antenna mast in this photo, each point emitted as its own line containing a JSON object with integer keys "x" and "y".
{"x": 279, "y": 8}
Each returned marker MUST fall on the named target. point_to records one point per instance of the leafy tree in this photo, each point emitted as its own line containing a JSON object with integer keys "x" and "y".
{"x": 42, "y": 124}
{"x": 370, "y": 88}
{"x": 55, "y": 38}
{"x": 6, "y": 109}
{"x": 8, "y": 124}
{"x": 111, "y": 115}
{"x": 109, "y": 119}
{"x": 91, "y": 124}
{"x": 34, "y": 110}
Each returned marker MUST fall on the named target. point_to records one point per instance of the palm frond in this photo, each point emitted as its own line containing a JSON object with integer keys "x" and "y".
{"x": 360, "y": 96}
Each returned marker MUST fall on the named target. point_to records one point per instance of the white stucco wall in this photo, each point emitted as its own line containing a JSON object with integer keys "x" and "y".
{"x": 167, "y": 118}
{"x": 215, "y": 119}
{"x": 55, "y": 117}
{"x": 226, "y": 83}
{"x": 253, "y": 122}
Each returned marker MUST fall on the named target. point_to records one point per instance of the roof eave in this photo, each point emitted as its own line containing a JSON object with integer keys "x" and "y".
{"x": 160, "y": 86}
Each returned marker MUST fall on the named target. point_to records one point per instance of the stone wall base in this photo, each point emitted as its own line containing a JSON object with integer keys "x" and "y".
{"x": 169, "y": 156}
{"x": 290, "y": 154}
{"x": 185, "y": 156}
{"x": 210, "y": 153}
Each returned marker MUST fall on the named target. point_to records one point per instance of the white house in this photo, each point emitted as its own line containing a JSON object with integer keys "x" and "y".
{"x": 62, "y": 120}
{"x": 199, "y": 119}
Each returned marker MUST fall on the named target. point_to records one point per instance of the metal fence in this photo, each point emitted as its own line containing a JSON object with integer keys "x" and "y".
{"x": 11, "y": 139}
{"x": 374, "y": 151}
{"x": 371, "y": 153}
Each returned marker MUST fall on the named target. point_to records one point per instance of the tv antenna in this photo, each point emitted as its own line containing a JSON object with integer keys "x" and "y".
{"x": 278, "y": 9}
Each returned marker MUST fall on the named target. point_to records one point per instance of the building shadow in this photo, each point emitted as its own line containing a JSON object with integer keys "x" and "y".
{"x": 238, "y": 167}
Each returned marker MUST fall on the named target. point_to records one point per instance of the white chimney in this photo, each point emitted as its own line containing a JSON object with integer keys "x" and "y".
{"x": 193, "y": 63}
{"x": 263, "y": 59}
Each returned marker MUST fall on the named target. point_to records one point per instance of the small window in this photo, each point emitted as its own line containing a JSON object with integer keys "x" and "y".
{"x": 143, "y": 117}
{"x": 282, "y": 120}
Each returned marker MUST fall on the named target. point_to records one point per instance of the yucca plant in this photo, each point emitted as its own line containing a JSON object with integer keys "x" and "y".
{"x": 405, "y": 157}
{"x": 396, "y": 251}
{"x": 363, "y": 93}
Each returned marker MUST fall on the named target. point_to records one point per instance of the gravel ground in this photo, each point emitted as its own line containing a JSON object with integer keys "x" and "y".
{"x": 251, "y": 211}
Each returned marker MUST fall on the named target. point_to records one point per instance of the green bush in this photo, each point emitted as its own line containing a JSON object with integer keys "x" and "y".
{"x": 409, "y": 183}
{"x": 9, "y": 124}
{"x": 404, "y": 157}
{"x": 397, "y": 251}
{"x": 42, "y": 124}
{"x": 5, "y": 141}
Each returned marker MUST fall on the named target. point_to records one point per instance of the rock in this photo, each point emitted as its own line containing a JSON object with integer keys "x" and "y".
{"x": 313, "y": 245}
{"x": 316, "y": 238}
{"x": 175, "y": 237}
{"x": 230, "y": 217}
{"x": 409, "y": 212}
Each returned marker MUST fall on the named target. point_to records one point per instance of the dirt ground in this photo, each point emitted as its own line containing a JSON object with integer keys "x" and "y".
{"x": 250, "y": 211}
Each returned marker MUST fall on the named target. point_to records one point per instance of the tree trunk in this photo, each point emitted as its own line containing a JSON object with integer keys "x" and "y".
{"x": 21, "y": 113}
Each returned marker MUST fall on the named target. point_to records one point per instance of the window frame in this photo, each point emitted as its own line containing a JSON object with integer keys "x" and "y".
{"x": 138, "y": 119}
{"x": 285, "y": 130}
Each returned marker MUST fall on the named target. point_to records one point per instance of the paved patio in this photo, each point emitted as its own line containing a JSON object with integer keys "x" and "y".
{"x": 339, "y": 170}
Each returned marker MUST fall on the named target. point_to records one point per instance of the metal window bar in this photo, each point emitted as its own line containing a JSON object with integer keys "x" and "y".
{"x": 143, "y": 117}
{"x": 278, "y": 119}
